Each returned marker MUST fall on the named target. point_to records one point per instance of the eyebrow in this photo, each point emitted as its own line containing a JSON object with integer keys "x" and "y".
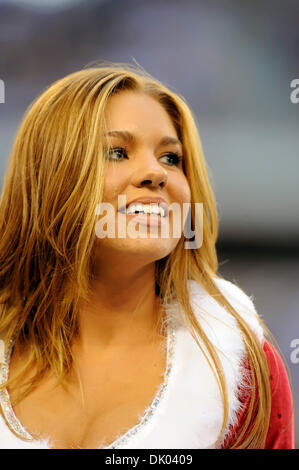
{"x": 126, "y": 135}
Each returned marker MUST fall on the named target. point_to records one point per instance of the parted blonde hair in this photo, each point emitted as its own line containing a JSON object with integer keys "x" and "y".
{"x": 52, "y": 185}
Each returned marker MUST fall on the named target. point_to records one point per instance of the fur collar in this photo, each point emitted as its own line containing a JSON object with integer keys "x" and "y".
{"x": 189, "y": 413}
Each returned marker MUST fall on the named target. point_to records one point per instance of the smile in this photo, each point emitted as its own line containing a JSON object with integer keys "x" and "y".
{"x": 152, "y": 219}
{"x": 146, "y": 209}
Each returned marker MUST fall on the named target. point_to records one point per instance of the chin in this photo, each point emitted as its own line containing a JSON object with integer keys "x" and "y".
{"x": 150, "y": 249}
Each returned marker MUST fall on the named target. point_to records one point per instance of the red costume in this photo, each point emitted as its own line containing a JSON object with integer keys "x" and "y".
{"x": 281, "y": 427}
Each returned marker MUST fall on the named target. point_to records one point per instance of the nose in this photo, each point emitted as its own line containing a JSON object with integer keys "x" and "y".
{"x": 151, "y": 174}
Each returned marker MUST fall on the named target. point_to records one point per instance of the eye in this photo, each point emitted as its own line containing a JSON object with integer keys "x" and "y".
{"x": 120, "y": 152}
{"x": 175, "y": 159}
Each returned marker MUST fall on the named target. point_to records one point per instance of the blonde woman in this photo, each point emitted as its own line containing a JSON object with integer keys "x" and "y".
{"x": 111, "y": 340}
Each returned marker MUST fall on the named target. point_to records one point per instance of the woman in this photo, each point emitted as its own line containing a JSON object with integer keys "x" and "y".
{"x": 111, "y": 340}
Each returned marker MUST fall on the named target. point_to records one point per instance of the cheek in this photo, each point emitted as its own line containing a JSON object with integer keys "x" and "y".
{"x": 180, "y": 192}
{"x": 181, "y": 189}
{"x": 114, "y": 180}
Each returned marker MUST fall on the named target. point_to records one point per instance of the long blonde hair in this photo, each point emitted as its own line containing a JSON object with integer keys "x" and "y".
{"x": 52, "y": 185}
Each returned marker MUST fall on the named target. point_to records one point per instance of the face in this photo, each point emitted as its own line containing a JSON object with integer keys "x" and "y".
{"x": 142, "y": 151}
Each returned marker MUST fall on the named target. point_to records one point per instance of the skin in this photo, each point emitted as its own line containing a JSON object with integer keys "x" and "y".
{"x": 120, "y": 353}
{"x": 125, "y": 267}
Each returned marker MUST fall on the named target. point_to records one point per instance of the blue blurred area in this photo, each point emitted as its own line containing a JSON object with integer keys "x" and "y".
{"x": 233, "y": 62}
{"x": 44, "y": 5}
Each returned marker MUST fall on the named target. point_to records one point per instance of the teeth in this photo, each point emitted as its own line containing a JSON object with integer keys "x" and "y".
{"x": 139, "y": 208}
{"x": 146, "y": 209}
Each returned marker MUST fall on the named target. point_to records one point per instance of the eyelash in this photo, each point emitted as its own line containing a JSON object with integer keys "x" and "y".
{"x": 177, "y": 158}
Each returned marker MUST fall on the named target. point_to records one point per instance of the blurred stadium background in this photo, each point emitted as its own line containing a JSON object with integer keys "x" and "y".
{"x": 233, "y": 61}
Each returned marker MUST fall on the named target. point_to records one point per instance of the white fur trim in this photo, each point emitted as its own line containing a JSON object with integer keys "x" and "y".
{"x": 190, "y": 414}
{"x": 8, "y": 440}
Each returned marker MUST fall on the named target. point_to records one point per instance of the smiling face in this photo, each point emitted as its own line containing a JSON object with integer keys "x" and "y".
{"x": 143, "y": 161}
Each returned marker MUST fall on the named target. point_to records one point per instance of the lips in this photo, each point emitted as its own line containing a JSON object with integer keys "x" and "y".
{"x": 147, "y": 200}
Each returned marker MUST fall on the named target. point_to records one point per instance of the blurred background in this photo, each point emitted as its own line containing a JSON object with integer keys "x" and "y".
{"x": 233, "y": 62}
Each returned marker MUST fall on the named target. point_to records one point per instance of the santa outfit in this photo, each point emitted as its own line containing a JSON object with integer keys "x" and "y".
{"x": 187, "y": 410}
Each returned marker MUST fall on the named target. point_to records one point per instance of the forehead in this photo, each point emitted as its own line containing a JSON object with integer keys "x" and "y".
{"x": 135, "y": 111}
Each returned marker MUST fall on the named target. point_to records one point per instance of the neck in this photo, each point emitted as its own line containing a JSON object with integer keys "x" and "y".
{"x": 123, "y": 309}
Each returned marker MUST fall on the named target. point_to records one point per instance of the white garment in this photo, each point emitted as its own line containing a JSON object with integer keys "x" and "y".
{"x": 190, "y": 411}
